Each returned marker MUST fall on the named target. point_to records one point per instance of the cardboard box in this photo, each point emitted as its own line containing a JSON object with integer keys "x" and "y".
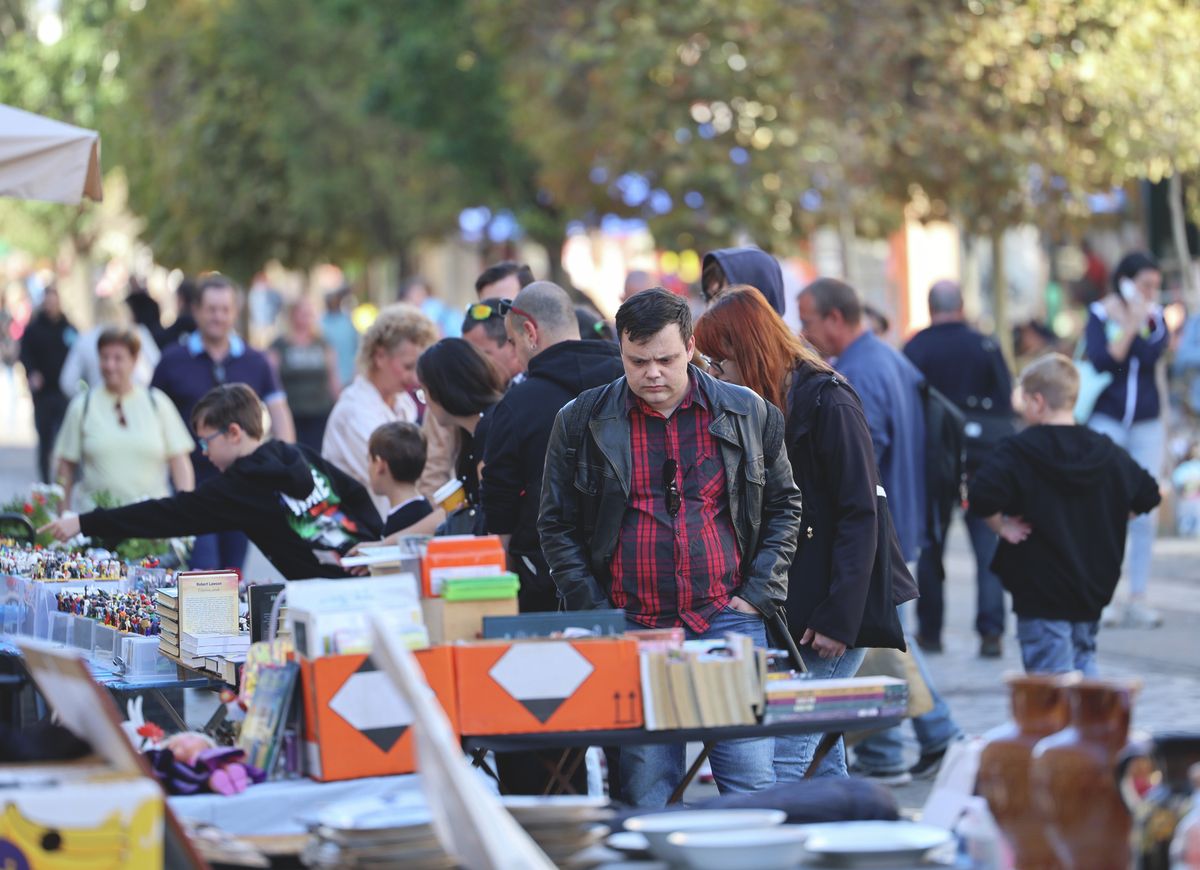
{"x": 452, "y": 621}
{"x": 356, "y": 724}
{"x": 460, "y": 556}
{"x": 532, "y": 686}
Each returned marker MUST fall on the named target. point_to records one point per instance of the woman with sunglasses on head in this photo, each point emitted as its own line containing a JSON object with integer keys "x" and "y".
{"x": 120, "y": 438}
{"x": 461, "y": 386}
{"x": 833, "y": 461}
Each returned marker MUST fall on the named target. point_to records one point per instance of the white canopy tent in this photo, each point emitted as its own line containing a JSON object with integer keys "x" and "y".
{"x": 47, "y": 160}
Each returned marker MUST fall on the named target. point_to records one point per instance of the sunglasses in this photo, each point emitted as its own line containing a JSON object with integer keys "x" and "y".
{"x": 121, "y": 415}
{"x": 218, "y": 373}
{"x": 506, "y": 306}
{"x": 204, "y": 442}
{"x": 481, "y": 311}
{"x": 674, "y": 498}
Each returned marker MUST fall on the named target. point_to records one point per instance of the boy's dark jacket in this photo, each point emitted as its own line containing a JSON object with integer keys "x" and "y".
{"x": 289, "y": 501}
{"x": 1076, "y": 489}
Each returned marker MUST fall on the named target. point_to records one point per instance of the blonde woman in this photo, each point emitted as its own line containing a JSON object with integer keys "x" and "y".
{"x": 122, "y": 438}
{"x": 379, "y": 393}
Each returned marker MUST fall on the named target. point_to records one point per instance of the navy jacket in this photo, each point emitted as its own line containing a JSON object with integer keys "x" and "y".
{"x": 888, "y": 385}
{"x": 965, "y": 366}
{"x": 1132, "y": 395}
{"x": 753, "y": 266}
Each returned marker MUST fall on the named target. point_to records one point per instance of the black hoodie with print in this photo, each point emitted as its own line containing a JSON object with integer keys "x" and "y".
{"x": 1076, "y": 489}
{"x": 296, "y": 507}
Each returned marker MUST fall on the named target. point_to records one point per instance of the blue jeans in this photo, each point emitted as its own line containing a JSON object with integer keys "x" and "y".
{"x": 650, "y": 773}
{"x": 989, "y": 592}
{"x": 884, "y": 752}
{"x": 1056, "y": 646}
{"x": 219, "y": 550}
{"x": 794, "y": 752}
{"x": 1144, "y": 441}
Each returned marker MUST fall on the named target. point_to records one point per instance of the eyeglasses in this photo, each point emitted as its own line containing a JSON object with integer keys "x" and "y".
{"x": 714, "y": 366}
{"x": 482, "y": 311}
{"x": 204, "y": 442}
{"x": 121, "y": 414}
{"x": 674, "y": 499}
{"x": 506, "y": 305}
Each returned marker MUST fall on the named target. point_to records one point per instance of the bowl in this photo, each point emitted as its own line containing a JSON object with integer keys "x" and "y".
{"x": 753, "y": 849}
{"x": 658, "y": 827}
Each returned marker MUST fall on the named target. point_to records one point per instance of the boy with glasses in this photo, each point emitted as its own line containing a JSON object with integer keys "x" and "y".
{"x": 301, "y": 511}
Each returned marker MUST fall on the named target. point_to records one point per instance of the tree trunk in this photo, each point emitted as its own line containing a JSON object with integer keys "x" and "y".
{"x": 1179, "y": 237}
{"x": 1000, "y": 297}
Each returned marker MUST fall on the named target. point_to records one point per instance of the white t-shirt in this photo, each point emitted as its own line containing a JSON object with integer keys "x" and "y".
{"x": 359, "y": 411}
{"x": 130, "y": 461}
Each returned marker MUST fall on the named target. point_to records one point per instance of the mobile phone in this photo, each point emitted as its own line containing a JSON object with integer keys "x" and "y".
{"x": 1128, "y": 289}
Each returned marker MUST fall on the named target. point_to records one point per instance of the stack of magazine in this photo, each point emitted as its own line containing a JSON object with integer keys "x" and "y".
{"x": 800, "y": 698}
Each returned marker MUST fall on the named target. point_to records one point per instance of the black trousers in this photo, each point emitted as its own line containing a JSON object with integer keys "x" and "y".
{"x": 49, "y": 408}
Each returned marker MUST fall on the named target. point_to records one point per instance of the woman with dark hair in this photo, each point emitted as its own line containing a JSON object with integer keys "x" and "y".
{"x": 461, "y": 385}
{"x": 833, "y": 461}
{"x": 1125, "y": 337}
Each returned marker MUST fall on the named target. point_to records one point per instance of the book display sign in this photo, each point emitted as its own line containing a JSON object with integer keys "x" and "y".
{"x": 208, "y": 602}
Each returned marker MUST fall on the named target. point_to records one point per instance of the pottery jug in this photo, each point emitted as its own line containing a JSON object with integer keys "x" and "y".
{"x": 1156, "y": 815}
{"x": 1085, "y": 819}
{"x": 1039, "y": 708}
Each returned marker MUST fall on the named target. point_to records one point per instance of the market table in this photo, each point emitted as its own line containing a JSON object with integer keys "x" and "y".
{"x": 562, "y": 771}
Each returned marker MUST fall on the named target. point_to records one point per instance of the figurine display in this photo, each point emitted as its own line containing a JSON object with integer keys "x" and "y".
{"x": 127, "y": 612}
{"x": 37, "y": 563}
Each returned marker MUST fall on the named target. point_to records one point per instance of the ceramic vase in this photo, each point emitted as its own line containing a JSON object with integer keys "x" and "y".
{"x": 1039, "y": 708}
{"x": 1073, "y": 786}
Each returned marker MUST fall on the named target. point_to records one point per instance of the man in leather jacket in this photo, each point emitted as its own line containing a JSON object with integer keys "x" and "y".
{"x": 667, "y": 493}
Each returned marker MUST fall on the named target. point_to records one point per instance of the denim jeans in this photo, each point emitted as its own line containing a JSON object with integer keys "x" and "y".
{"x": 794, "y": 752}
{"x": 989, "y": 592}
{"x": 884, "y": 752}
{"x": 1144, "y": 441}
{"x": 1056, "y": 646}
{"x": 650, "y": 773}
{"x": 219, "y": 550}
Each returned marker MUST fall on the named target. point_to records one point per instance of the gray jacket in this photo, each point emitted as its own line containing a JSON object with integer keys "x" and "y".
{"x": 585, "y": 491}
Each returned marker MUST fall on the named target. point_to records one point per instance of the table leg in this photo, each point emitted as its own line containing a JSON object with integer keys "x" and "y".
{"x": 171, "y": 711}
{"x": 677, "y": 795}
{"x": 479, "y": 759}
{"x": 560, "y": 775}
{"x": 828, "y": 741}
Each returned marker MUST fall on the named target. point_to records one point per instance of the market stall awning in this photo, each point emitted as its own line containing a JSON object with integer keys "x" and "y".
{"x": 48, "y": 160}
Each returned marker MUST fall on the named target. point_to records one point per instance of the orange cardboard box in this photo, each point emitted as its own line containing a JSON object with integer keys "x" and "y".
{"x": 460, "y": 556}
{"x": 532, "y": 686}
{"x": 356, "y": 724}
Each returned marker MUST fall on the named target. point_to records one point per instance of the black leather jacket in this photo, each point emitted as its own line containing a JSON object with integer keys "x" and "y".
{"x": 584, "y": 498}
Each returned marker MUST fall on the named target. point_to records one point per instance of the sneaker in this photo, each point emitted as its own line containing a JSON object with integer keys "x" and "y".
{"x": 928, "y": 765}
{"x": 1113, "y": 615}
{"x": 991, "y": 646}
{"x": 1138, "y": 615}
{"x": 892, "y": 778}
{"x": 929, "y": 644}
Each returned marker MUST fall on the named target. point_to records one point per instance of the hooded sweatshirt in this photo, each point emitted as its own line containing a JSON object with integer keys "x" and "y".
{"x": 515, "y": 452}
{"x": 296, "y": 507}
{"x": 1076, "y": 489}
{"x": 752, "y": 266}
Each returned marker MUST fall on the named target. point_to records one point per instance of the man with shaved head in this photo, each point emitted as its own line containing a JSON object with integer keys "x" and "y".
{"x": 544, "y": 330}
{"x": 969, "y": 369}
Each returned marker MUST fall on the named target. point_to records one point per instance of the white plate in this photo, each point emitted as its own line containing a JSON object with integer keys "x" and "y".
{"x": 861, "y": 844}
{"x": 754, "y": 849}
{"x": 659, "y": 826}
{"x": 628, "y": 843}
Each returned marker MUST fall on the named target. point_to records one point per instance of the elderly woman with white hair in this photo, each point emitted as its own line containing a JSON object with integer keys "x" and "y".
{"x": 379, "y": 393}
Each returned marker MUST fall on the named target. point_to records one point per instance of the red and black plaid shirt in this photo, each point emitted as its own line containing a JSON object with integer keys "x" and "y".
{"x": 676, "y": 570}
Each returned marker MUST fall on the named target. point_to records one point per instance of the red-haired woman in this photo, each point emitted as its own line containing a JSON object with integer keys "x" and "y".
{"x": 834, "y": 465}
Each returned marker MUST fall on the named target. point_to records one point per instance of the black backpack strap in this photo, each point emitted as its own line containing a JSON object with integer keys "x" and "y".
{"x": 577, "y": 418}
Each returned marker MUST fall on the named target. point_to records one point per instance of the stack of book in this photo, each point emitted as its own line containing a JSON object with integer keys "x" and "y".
{"x": 219, "y": 653}
{"x": 167, "y": 603}
{"x": 792, "y": 698}
{"x": 495, "y": 587}
{"x": 701, "y": 684}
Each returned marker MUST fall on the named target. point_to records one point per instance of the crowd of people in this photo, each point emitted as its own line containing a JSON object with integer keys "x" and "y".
{"x": 723, "y": 474}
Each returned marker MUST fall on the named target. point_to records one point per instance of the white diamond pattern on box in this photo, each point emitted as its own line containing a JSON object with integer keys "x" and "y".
{"x": 541, "y": 675}
{"x": 369, "y": 701}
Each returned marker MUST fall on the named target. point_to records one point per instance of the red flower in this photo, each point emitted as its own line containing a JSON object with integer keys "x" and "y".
{"x": 39, "y": 498}
{"x": 151, "y": 732}
{"x": 28, "y": 509}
